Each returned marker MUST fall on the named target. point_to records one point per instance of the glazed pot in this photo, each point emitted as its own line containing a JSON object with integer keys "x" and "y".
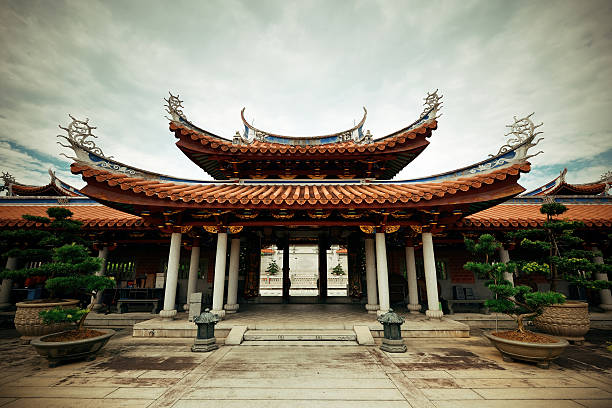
{"x": 569, "y": 320}
{"x": 61, "y": 351}
{"x": 29, "y": 324}
{"x": 540, "y": 353}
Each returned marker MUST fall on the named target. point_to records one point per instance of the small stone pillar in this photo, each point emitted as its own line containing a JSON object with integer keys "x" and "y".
{"x": 219, "y": 284}
{"x": 382, "y": 273}
{"x": 232, "y": 284}
{"x": 174, "y": 256}
{"x": 392, "y": 328}
{"x": 604, "y": 294}
{"x": 194, "y": 267}
{"x": 205, "y": 338}
{"x": 504, "y": 257}
{"x": 7, "y": 284}
{"x": 413, "y": 290}
{"x": 102, "y": 254}
{"x": 372, "y": 290}
{"x": 431, "y": 279}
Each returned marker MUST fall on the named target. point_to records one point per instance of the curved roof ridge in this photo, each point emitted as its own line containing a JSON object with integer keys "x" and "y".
{"x": 522, "y": 135}
{"x": 559, "y": 184}
{"x": 261, "y": 134}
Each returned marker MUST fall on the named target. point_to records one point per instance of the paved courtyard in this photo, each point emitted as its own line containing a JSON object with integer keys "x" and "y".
{"x": 133, "y": 372}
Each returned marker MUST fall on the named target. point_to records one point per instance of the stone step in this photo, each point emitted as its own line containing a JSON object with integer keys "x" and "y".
{"x": 300, "y": 335}
{"x": 303, "y": 343}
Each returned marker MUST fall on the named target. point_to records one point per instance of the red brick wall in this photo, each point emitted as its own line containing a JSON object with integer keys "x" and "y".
{"x": 456, "y": 258}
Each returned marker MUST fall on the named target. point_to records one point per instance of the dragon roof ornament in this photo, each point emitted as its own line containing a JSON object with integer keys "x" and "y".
{"x": 522, "y": 132}
{"x": 432, "y": 104}
{"x": 78, "y": 134}
{"x": 174, "y": 106}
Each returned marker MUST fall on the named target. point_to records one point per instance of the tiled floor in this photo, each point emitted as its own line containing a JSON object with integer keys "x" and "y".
{"x": 150, "y": 373}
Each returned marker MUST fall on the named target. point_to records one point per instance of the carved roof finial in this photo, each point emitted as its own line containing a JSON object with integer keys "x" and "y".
{"x": 78, "y": 134}
{"x": 174, "y": 106}
{"x": 432, "y": 104}
{"x": 522, "y": 132}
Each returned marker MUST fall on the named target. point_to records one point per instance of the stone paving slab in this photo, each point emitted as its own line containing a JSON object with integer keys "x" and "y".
{"x": 156, "y": 373}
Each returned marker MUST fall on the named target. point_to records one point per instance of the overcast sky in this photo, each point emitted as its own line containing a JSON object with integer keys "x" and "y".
{"x": 306, "y": 67}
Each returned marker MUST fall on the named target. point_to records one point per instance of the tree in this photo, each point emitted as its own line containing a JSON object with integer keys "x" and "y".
{"x": 556, "y": 251}
{"x": 273, "y": 268}
{"x": 65, "y": 263}
{"x": 519, "y": 302}
{"x": 337, "y": 270}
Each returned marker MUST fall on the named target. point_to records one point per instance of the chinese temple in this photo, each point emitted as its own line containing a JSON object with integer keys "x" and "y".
{"x": 328, "y": 190}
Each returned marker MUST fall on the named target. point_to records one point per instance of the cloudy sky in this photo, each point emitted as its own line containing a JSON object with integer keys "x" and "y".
{"x": 306, "y": 67}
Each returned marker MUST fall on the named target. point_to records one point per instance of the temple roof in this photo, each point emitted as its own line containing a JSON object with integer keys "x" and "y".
{"x": 524, "y": 212}
{"x": 92, "y": 214}
{"x": 559, "y": 186}
{"x": 345, "y": 154}
{"x": 55, "y": 188}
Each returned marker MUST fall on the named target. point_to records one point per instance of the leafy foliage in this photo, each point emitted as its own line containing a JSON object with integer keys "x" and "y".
{"x": 337, "y": 270}
{"x": 59, "y": 315}
{"x": 273, "y": 268}
{"x": 520, "y": 302}
{"x": 64, "y": 260}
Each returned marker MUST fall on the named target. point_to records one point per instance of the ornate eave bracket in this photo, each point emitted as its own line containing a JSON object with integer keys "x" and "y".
{"x": 522, "y": 134}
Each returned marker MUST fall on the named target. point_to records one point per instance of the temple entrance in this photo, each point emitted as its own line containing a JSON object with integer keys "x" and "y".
{"x": 310, "y": 277}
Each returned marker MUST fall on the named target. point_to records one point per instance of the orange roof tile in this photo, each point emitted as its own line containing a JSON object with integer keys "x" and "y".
{"x": 528, "y": 215}
{"x": 93, "y": 216}
{"x": 293, "y": 194}
{"x": 277, "y": 148}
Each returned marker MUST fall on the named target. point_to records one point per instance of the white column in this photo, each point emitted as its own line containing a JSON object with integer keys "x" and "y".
{"x": 431, "y": 279}
{"x": 372, "y": 290}
{"x": 194, "y": 267}
{"x": 604, "y": 294}
{"x": 219, "y": 284}
{"x": 382, "y": 273}
{"x": 174, "y": 257}
{"x": 7, "y": 284}
{"x": 413, "y": 290}
{"x": 102, "y": 254}
{"x": 504, "y": 257}
{"x": 232, "y": 284}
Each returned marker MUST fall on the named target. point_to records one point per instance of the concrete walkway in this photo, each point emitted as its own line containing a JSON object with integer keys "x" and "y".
{"x": 135, "y": 372}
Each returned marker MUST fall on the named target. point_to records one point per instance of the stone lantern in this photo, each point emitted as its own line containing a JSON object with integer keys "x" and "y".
{"x": 205, "y": 338}
{"x": 392, "y": 341}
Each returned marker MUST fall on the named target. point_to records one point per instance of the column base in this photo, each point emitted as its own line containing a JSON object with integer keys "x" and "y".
{"x": 231, "y": 308}
{"x": 604, "y": 306}
{"x": 167, "y": 314}
{"x": 186, "y": 307}
{"x": 434, "y": 314}
{"x": 97, "y": 307}
{"x": 372, "y": 308}
{"x": 220, "y": 313}
{"x": 414, "y": 308}
{"x": 380, "y": 312}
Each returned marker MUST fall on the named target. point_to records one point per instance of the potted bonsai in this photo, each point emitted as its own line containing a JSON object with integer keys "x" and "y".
{"x": 55, "y": 255}
{"x": 556, "y": 252}
{"x": 519, "y": 302}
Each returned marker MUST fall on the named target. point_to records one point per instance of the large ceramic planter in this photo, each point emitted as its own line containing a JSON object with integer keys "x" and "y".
{"x": 540, "y": 353}
{"x": 569, "y": 320}
{"x": 62, "y": 351}
{"x": 29, "y": 324}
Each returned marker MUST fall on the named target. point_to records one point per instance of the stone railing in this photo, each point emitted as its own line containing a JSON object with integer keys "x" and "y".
{"x": 302, "y": 282}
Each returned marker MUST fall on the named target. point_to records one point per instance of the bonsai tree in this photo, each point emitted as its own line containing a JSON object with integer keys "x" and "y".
{"x": 66, "y": 266}
{"x": 337, "y": 270}
{"x": 519, "y": 302}
{"x": 556, "y": 252}
{"x": 273, "y": 268}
